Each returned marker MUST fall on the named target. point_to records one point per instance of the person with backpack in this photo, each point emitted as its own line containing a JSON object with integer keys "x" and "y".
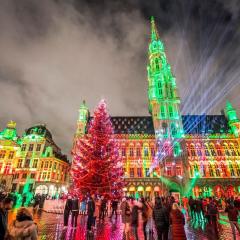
{"x": 23, "y": 227}
{"x": 161, "y": 219}
{"x": 232, "y": 212}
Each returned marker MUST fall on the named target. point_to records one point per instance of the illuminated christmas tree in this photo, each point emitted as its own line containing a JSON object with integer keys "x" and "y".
{"x": 97, "y": 167}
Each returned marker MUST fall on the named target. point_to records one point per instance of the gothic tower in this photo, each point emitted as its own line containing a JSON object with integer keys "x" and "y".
{"x": 82, "y": 120}
{"x": 233, "y": 119}
{"x": 164, "y": 103}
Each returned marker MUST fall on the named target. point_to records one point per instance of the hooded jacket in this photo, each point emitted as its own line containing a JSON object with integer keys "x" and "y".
{"x": 26, "y": 230}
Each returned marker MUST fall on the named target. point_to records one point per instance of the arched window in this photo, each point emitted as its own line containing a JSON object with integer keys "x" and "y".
{"x": 226, "y": 149}
{"x": 199, "y": 151}
{"x": 232, "y": 149}
{"x": 145, "y": 151}
{"x": 170, "y": 109}
{"x": 176, "y": 149}
{"x": 206, "y": 150}
{"x": 217, "y": 170}
{"x": 231, "y": 169}
{"x": 203, "y": 170}
{"x": 192, "y": 149}
{"x": 196, "y": 169}
{"x": 173, "y": 130}
{"x": 157, "y": 64}
{"x": 224, "y": 169}
{"x": 211, "y": 173}
{"x": 163, "y": 115}
{"x": 164, "y": 127}
{"x": 212, "y": 149}
{"x": 237, "y": 167}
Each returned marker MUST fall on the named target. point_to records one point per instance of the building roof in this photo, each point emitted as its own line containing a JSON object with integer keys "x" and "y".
{"x": 203, "y": 124}
{"x": 40, "y": 130}
{"x": 192, "y": 124}
{"x": 133, "y": 125}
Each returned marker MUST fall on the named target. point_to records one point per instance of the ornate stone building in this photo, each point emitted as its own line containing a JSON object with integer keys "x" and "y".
{"x": 170, "y": 152}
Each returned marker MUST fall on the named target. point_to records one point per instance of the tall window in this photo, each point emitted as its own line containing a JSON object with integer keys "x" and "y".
{"x": 30, "y": 147}
{"x": 147, "y": 173}
{"x": 24, "y": 176}
{"x": 231, "y": 169}
{"x": 217, "y": 170}
{"x": 138, "y": 152}
{"x": 178, "y": 170}
{"x": 170, "y": 109}
{"x": 173, "y": 130}
{"x": 11, "y": 154}
{"x": 233, "y": 153}
{"x": 213, "y": 153}
{"x": 131, "y": 172}
{"x": 27, "y": 163}
{"x": 139, "y": 172}
{"x": 176, "y": 149}
{"x": 19, "y": 164}
{"x": 123, "y": 152}
{"x": 131, "y": 152}
{"x": 2, "y": 154}
{"x": 35, "y": 162}
{"x": 169, "y": 171}
{"x": 237, "y": 169}
{"x": 23, "y": 147}
{"x": 38, "y": 147}
{"x": 145, "y": 152}
{"x": 157, "y": 64}
{"x": 153, "y": 152}
{"x": 226, "y": 149}
{"x": 224, "y": 169}
{"x": 211, "y": 173}
{"x": 163, "y": 111}
{"x": 164, "y": 127}
{"x": 46, "y": 164}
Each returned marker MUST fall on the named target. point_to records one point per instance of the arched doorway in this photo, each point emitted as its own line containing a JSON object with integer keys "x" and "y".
{"x": 148, "y": 191}
{"x": 156, "y": 191}
{"x": 132, "y": 191}
{"x": 140, "y": 190}
{"x": 41, "y": 189}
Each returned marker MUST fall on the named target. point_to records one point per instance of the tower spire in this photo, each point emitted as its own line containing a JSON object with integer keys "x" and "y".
{"x": 154, "y": 32}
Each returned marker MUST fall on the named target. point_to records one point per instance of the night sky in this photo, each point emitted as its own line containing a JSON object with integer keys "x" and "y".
{"x": 55, "y": 54}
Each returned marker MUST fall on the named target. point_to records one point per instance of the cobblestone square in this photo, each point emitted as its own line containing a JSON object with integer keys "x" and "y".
{"x": 50, "y": 227}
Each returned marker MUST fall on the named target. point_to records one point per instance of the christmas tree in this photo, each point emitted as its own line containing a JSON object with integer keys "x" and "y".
{"x": 97, "y": 167}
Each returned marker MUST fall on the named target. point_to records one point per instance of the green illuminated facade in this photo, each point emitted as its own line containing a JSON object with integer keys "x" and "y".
{"x": 169, "y": 152}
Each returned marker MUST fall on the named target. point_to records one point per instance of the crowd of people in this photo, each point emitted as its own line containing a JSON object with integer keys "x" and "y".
{"x": 163, "y": 217}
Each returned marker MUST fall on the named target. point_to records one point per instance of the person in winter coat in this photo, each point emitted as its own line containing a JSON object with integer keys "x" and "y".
{"x": 67, "y": 209}
{"x": 75, "y": 211}
{"x": 126, "y": 217}
{"x": 23, "y": 227}
{"x": 233, "y": 218}
{"x": 5, "y": 207}
{"x": 134, "y": 219}
{"x": 90, "y": 213}
{"x": 145, "y": 217}
{"x": 177, "y": 222}
{"x": 161, "y": 219}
